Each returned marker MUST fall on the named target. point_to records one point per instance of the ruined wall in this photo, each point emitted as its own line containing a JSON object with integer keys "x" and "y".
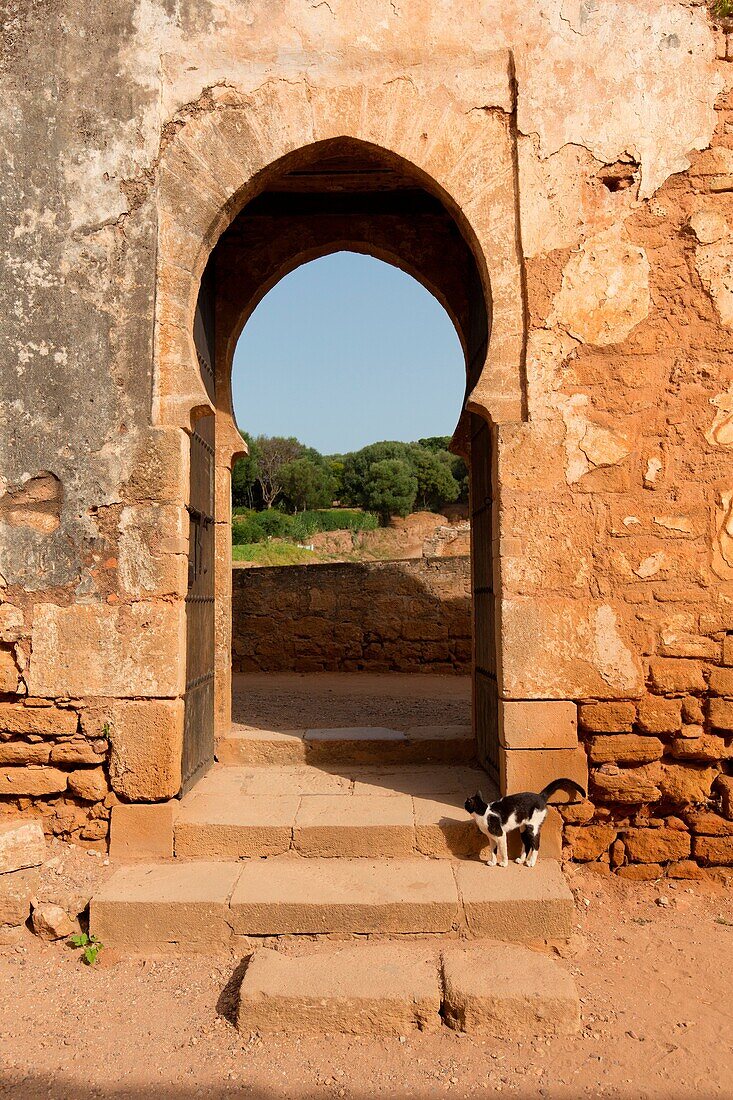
{"x": 608, "y": 129}
{"x": 395, "y": 616}
{"x": 631, "y": 612}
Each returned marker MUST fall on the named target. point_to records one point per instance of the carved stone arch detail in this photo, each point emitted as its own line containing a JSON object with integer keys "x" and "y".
{"x": 222, "y": 151}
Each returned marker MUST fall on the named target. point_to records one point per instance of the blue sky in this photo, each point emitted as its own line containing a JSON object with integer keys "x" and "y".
{"x": 347, "y": 350}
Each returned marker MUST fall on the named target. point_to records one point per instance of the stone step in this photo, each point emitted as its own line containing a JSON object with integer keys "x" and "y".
{"x": 393, "y": 988}
{"x": 238, "y": 813}
{"x": 203, "y": 906}
{"x": 444, "y": 744}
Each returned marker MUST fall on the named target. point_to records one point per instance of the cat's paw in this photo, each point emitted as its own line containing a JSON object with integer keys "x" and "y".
{"x": 520, "y": 859}
{"x": 504, "y": 863}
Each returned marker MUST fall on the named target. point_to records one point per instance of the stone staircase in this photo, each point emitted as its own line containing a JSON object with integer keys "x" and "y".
{"x": 333, "y": 833}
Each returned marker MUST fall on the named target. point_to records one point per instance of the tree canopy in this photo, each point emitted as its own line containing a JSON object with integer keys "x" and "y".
{"x": 389, "y": 477}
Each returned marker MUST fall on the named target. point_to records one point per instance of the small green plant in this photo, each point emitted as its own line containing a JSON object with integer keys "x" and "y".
{"x": 721, "y": 9}
{"x": 90, "y": 947}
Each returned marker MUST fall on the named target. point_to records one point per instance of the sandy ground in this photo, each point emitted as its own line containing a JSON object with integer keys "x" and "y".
{"x": 329, "y": 700}
{"x": 652, "y": 963}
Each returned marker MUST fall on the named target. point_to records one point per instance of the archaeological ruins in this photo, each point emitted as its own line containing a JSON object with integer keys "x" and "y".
{"x": 560, "y": 177}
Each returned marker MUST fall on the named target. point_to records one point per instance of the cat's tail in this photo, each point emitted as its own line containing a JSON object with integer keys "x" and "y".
{"x": 559, "y": 785}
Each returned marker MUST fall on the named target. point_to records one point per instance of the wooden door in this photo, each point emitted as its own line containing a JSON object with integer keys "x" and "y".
{"x": 198, "y": 727}
{"x": 485, "y": 692}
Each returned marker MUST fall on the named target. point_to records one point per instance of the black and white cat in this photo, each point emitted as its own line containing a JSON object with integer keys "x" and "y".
{"x": 525, "y": 812}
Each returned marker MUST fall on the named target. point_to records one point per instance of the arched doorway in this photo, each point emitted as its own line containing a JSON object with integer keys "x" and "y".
{"x": 333, "y": 195}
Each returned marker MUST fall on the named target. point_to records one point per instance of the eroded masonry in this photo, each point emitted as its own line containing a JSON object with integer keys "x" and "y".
{"x": 560, "y": 176}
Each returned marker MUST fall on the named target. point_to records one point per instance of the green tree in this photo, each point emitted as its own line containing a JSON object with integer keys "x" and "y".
{"x": 436, "y": 485}
{"x": 435, "y": 443}
{"x": 357, "y": 466}
{"x": 273, "y": 453}
{"x": 391, "y": 488}
{"x": 245, "y": 473}
{"x": 307, "y": 483}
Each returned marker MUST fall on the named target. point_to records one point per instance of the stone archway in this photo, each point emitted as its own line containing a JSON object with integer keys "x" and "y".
{"x": 233, "y": 164}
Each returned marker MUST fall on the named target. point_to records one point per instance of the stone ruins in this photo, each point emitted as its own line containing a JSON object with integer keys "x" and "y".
{"x": 560, "y": 176}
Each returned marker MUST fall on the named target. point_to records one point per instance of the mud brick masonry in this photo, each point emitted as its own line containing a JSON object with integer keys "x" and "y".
{"x": 560, "y": 176}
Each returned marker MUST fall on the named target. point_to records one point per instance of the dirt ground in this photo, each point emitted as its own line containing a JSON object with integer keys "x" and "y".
{"x": 329, "y": 700}
{"x": 652, "y": 963}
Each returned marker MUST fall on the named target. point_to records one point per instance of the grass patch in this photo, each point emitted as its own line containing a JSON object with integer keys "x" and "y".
{"x": 273, "y": 553}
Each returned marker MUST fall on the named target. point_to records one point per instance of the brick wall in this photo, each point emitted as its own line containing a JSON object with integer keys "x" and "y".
{"x": 400, "y": 616}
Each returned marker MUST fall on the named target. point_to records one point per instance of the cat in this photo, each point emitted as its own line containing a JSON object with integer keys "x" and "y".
{"x": 525, "y": 812}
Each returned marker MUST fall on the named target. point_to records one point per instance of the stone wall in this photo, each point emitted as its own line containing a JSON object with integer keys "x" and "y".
{"x": 395, "y": 616}
{"x": 661, "y": 801}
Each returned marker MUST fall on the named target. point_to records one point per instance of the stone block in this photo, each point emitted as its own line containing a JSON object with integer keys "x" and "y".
{"x": 24, "y": 752}
{"x": 675, "y": 675}
{"x": 152, "y": 550}
{"x": 308, "y": 896}
{"x": 22, "y": 844}
{"x": 32, "y": 781}
{"x": 367, "y": 827}
{"x": 16, "y": 890}
{"x": 367, "y": 744}
{"x": 210, "y": 825}
{"x": 686, "y": 783}
{"x": 11, "y": 622}
{"x": 140, "y": 831}
{"x": 686, "y": 869}
{"x": 560, "y": 648}
{"x": 641, "y": 872}
{"x": 659, "y": 715}
{"x": 692, "y": 712}
{"x": 721, "y": 681}
{"x": 160, "y": 469}
{"x": 705, "y": 747}
{"x": 260, "y": 747}
{"x": 76, "y": 751}
{"x": 721, "y": 714}
{"x": 713, "y": 849}
{"x": 9, "y": 675}
{"x": 588, "y": 842}
{"x": 443, "y": 829}
{"x": 515, "y": 903}
{"x": 159, "y": 908}
{"x": 507, "y": 991}
{"x": 656, "y": 845}
{"x": 625, "y": 748}
{"x": 89, "y": 784}
{"x": 533, "y": 769}
{"x": 706, "y": 823}
{"x": 43, "y": 721}
{"x": 146, "y": 738}
{"x": 610, "y": 783}
{"x": 607, "y": 717}
{"x": 108, "y": 651}
{"x": 538, "y": 724}
{"x": 355, "y": 989}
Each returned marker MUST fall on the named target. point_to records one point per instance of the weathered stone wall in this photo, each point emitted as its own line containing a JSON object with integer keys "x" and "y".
{"x": 395, "y": 616}
{"x": 137, "y": 128}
